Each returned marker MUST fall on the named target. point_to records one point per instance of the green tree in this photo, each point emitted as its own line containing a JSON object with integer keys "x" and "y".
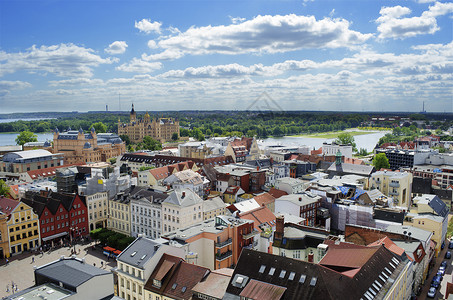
{"x": 26, "y": 137}
{"x": 381, "y": 161}
{"x": 363, "y": 152}
{"x": 99, "y": 127}
{"x": 151, "y": 144}
{"x": 125, "y": 139}
{"x": 174, "y": 136}
{"x": 4, "y": 188}
{"x": 346, "y": 138}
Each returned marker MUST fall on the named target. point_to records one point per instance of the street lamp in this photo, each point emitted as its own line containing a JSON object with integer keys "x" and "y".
{"x": 74, "y": 231}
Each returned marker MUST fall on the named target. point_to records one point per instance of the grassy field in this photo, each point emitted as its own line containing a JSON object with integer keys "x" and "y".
{"x": 333, "y": 134}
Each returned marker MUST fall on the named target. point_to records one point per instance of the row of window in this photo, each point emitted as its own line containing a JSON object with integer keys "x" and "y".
{"x": 24, "y": 235}
{"x": 22, "y": 227}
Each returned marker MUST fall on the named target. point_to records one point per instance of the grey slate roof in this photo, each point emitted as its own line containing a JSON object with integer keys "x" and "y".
{"x": 72, "y": 272}
{"x": 183, "y": 197}
{"x": 139, "y": 252}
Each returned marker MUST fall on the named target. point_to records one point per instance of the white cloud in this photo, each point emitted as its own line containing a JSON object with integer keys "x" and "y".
{"x": 392, "y": 25}
{"x": 152, "y": 44}
{"x": 236, "y": 20}
{"x": 230, "y": 70}
{"x": 65, "y": 60}
{"x": 139, "y": 66}
{"x": 117, "y": 47}
{"x": 147, "y": 26}
{"x": 76, "y": 81}
{"x": 263, "y": 34}
{"x": 7, "y": 86}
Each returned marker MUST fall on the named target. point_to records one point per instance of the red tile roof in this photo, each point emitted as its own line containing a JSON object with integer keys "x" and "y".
{"x": 7, "y": 205}
{"x": 261, "y": 215}
{"x": 264, "y": 199}
{"x": 263, "y": 291}
{"x": 389, "y": 244}
{"x": 48, "y": 172}
{"x": 354, "y": 161}
{"x": 277, "y": 193}
{"x": 184, "y": 279}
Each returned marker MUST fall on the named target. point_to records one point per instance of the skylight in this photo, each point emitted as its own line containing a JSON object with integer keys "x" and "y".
{"x": 282, "y": 274}
{"x": 271, "y": 271}
{"x": 262, "y": 268}
{"x": 302, "y": 278}
{"x": 313, "y": 281}
{"x": 184, "y": 288}
{"x": 291, "y": 276}
{"x": 174, "y": 286}
{"x": 133, "y": 253}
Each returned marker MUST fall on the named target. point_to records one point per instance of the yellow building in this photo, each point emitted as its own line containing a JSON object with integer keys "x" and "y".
{"x": 118, "y": 215}
{"x": 160, "y": 129}
{"x": 80, "y": 147}
{"x": 22, "y": 226}
{"x": 4, "y": 244}
{"x": 429, "y": 213}
{"x": 397, "y": 185}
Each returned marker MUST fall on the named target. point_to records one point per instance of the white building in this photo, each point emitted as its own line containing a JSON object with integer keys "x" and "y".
{"x": 181, "y": 209}
{"x": 97, "y": 210}
{"x": 332, "y": 149}
{"x": 188, "y": 179}
{"x": 146, "y": 212}
{"x": 290, "y": 185}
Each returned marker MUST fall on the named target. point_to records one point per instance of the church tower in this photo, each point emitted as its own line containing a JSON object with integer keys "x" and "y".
{"x": 133, "y": 115}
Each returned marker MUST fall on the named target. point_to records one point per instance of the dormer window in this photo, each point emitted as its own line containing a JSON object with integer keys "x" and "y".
{"x": 157, "y": 283}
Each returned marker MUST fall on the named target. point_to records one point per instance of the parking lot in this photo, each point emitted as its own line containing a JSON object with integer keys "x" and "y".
{"x": 19, "y": 270}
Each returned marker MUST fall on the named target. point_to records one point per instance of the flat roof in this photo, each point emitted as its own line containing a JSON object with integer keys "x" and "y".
{"x": 47, "y": 291}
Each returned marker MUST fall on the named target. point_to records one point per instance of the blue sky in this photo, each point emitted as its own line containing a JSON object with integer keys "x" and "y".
{"x": 175, "y": 55}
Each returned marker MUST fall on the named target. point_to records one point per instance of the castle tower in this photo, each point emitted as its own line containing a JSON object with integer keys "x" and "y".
{"x": 147, "y": 118}
{"x": 133, "y": 115}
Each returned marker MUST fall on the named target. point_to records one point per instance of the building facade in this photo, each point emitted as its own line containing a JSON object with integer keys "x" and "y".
{"x": 22, "y": 226}
{"x": 119, "y": 214}
{"x": 24, "y": 161}
{"x": 397, "y": 185}
{"x": 161, "y": 129}
{"x": 80, "y": 147}
{"x": 97, "y": 210}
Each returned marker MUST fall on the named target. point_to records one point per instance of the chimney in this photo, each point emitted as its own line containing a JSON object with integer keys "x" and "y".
{"x": 311, "y": 257}
{"x": 183, "y": 194}
{"x": 280, "y": 220}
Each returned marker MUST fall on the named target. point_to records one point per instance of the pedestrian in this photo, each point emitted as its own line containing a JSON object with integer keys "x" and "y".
{"x": 94, "y": 264}
{"x": 7, "y": 261}
{"x": 33, "y": 259}
{"x": 102, "y": 264}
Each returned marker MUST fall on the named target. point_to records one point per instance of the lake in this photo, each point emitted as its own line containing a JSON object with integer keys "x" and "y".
{"x": 25, "y": 119}
{"x": 367, "y": 141}
{"x": 9, "y": 139}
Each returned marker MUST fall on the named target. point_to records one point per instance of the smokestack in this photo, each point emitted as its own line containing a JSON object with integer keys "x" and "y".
{"x": 311, "y": 257}
{"x": 280, "y": 225}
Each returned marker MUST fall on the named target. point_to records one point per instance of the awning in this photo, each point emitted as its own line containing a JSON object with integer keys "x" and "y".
{"x": 117, "y": 252}
{"x": 107, "y": 248}
{"x": 47, "y": 238}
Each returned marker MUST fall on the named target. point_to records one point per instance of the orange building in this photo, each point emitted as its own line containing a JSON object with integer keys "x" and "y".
{"x": 216, "y": 243}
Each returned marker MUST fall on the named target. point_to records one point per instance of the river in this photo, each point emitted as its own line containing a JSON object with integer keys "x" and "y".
{"x": 9, "y": 139}
{"x": 367, "y": 141}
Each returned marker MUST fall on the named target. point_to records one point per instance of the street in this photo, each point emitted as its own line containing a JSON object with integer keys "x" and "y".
{"x": 19, "y": 270}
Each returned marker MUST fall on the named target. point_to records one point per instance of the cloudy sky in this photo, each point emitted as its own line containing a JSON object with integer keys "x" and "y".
{"x": 359, "y": 55}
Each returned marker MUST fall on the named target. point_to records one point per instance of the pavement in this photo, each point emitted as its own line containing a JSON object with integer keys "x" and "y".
{"x": 19, "y": 271}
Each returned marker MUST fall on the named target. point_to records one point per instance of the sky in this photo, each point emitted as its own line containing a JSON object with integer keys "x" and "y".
{"x": 338, "y": 55}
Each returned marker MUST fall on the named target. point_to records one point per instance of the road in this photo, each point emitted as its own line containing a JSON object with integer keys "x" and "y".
{"x": 20, "y": 268}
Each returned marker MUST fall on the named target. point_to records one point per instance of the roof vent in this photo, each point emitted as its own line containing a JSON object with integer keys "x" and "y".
{"x": 240, "y": 280}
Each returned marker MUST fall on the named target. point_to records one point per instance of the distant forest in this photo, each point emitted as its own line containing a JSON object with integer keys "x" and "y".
{"x": 225, "y": 123}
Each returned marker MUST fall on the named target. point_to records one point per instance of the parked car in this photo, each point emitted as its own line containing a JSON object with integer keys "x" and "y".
{"x": 450, "y": 245}
{"x": 432, "y": 292}
{"x": 436, "y": 281}
{"x": 443, "y": 264}
{"x": 448, "y": 255}
{"x": 441, "y": 271}
{"x": 442, "y": 246}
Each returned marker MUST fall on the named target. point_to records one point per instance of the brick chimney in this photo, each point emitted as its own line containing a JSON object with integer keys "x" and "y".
{"x": 280, "y": 225}
{"x": 311, "y": 257}
{"x": 183, "y": 194}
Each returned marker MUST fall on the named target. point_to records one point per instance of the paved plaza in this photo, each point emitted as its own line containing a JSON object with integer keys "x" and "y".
{"x": 20, "y": 268}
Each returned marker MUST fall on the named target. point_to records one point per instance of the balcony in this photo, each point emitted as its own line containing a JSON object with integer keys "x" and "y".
{"x": 223, "y": 244}
{"x": 223, "y": 256}
{"x": 394, "y": 184}
{"x": 250, "y": 235}
{"x": 394, "y": 193}
{"x": 252, "y": 245}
